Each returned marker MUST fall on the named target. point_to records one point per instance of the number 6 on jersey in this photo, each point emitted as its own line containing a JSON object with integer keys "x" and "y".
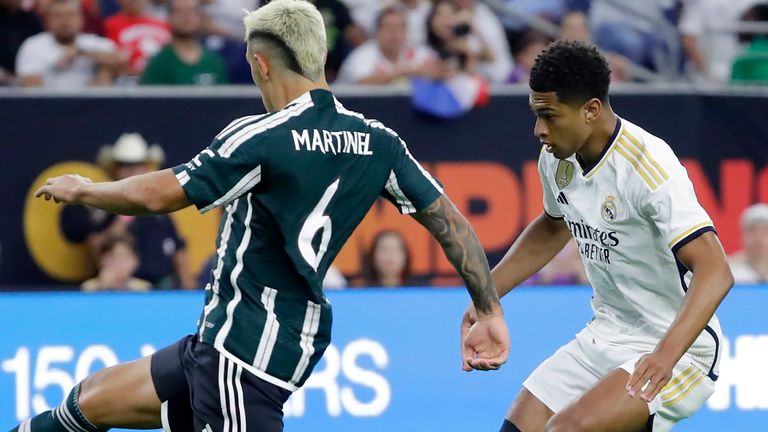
{"x": 315, "y": 222}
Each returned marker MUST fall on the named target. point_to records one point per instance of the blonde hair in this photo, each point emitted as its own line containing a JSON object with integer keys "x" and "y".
{"x": 295, "y": 26}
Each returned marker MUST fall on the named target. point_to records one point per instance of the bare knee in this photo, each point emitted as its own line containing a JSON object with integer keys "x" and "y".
{"x": 91, "y": 401}
{"x": 567, "y": 421}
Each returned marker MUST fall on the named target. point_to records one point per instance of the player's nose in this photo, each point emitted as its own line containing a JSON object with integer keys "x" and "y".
{"x": 540, "y": 129}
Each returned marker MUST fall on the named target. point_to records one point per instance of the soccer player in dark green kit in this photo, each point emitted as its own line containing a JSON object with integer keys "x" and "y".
{"x": 294, "y": 184}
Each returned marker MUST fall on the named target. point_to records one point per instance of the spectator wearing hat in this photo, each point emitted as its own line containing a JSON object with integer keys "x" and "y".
{"x": 64, "y": 56}
{"x": 162, "y": 253}
{"x": 750, "y": 265}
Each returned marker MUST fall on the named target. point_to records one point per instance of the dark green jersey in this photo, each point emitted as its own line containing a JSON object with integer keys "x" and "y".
{"x": 294, "y": 185}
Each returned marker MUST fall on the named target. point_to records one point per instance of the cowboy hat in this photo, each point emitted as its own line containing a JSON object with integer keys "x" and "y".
{"x": 131, "y": 148}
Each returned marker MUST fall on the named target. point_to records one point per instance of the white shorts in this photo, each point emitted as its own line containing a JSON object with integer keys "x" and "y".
{"x": 578, "y": 365}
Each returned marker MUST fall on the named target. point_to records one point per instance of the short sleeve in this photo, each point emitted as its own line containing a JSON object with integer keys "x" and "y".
{"x": 155, "y": 72}
{"x": 79, "y": 222}
{"x": 692, "y": 19}
{"x": 227, "y": 169}
{"x": 95, "y": 43}
{"x": 551, "y": 208}
{"x": 409, "y": 186}
{"x": 360, "y": 64}
{"x": 675, "y": 211}
{"x": 30, "y": 61}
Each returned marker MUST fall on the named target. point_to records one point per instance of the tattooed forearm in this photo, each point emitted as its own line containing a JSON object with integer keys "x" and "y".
{"x": 463, "y": 249}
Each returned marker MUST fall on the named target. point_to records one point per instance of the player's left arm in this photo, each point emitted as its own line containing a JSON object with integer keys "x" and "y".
{"x": 712, "y": 279}
{"x": 674, "y": 210}
{"x": 151, "y": 193}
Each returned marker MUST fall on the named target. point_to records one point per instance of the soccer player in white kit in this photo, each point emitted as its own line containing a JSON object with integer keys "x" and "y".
{"x": 649, "y": 357}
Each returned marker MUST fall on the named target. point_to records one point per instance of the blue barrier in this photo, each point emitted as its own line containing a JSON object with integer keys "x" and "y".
{"x": 393, "y": 366}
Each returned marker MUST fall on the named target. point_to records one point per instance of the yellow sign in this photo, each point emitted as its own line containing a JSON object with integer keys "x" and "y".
{"x": 66, "y": 261}
{"x": 53, "y": 253}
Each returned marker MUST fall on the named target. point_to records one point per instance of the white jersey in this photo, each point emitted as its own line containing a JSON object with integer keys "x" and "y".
{"x": 630, "y": 212}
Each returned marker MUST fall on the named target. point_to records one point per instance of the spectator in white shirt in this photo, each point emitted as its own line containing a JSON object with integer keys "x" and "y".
{"x": 707, "y": 40}
{"x": 63, "y": 57}
{"x": 387, "y": 59}
{"x": 488, "y": 27}
{"x": 365, "y": 12}
{"x": 750, "y": 265}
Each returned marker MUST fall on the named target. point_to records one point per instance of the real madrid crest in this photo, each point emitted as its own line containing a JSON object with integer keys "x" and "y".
{"x": 609, "y": 210}
{"x": 564, "y": 174}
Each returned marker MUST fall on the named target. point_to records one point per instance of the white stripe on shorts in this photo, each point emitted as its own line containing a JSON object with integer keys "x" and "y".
{"x": 164, "y": 417}
{"x": 223, "y": 394}
{"x": 231, "y": 396}
{"x": 240, "y": 397}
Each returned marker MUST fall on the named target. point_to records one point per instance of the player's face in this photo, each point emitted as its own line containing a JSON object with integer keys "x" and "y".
{"x": 561, "y": 127}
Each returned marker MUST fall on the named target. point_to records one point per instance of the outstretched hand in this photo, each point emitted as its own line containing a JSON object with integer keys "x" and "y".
{"x": 484, "y": 340}
{"x": 62, "y": 189}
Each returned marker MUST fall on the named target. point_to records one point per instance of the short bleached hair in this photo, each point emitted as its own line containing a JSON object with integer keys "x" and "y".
{"x": 296, "y": 28}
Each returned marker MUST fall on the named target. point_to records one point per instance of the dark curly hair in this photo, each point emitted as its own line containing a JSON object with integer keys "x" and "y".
{"x": 575, "y": 71}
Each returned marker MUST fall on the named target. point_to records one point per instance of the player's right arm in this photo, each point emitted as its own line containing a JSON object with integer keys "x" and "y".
{"x": 151, "y": 193}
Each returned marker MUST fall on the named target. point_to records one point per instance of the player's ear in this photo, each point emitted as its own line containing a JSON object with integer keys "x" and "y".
{"x": 262, "y": 65}
{"x": 592, "y": 109}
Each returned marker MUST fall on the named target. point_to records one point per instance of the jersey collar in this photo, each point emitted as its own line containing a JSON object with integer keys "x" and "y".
{"x": 305, "y": 97}
{"x": 592, "y": 168}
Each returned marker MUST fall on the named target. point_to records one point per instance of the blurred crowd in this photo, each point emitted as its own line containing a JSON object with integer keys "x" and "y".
{"x": 76, "y": 43}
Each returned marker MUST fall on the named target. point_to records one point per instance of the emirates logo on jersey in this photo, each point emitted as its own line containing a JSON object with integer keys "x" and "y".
{"x": 609, "y": 209}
